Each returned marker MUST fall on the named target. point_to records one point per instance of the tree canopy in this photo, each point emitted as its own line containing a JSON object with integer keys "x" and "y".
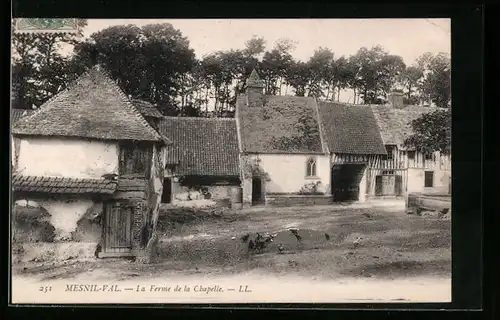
{"x": 431, "y": 132}
{"x": 156, "y": 63}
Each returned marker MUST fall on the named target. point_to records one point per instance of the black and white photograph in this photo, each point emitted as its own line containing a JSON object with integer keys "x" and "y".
{"x": 230, "y": 160}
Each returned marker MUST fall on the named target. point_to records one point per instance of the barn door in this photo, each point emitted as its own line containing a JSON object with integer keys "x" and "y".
{"x": 388, "y": 185}
{"x": 118, "y": 228}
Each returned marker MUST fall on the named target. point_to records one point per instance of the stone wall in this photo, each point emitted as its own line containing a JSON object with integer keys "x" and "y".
{"x": 298, "y": 200}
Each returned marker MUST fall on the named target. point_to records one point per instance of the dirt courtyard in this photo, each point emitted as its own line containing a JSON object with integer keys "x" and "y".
{"x": 373, "y": 247}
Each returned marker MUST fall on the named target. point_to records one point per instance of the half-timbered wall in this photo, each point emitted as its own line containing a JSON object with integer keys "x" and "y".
{"x": 398, "y": 162}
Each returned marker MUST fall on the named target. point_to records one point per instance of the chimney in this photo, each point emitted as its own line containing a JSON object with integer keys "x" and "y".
{"x": 254, "y": 90}
{"x": 396, "y": 99}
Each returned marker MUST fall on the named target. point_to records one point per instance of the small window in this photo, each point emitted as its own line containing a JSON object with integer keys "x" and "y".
{"x": 311, "y": 167}
{"x": 134, "y": 158}
{"x": 389, "y": 149}
{"x": 411, "y": 155}
{"x": 388, "y": 172}
{"x": 428, "y": 156}
{"x": 429, "y": 179}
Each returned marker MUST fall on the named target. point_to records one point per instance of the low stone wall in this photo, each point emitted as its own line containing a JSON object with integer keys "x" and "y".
{"x": 417, "y": 202}
{"x": 280, "y": 200}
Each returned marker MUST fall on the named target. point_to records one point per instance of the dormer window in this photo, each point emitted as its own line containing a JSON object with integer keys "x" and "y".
{"x": 311, "y": 167}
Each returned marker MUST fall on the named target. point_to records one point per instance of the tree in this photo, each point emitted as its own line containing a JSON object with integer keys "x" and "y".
{"x": 374, "y": 73}
{"x": 255, "y": 46}
{"x": 410, "y": 79}
{"x": 39, "y": 70}
{"x": 297, "y": 76}
{"x": 274, "y": 66}
{"x": 149, "y": 62}
{"x": 431, "y": 132}
{"x": 320, "y": 72}
{"x": 436, "y": 84}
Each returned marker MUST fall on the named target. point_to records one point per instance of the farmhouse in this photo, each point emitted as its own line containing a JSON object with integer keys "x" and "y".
{"x": 301, "y": 150}
{"x": 100, "y": 163}
{"x": 89, "y": 153}
{"x": 415, "y": 171}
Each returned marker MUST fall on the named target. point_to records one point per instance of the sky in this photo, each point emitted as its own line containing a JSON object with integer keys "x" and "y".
{"x": 408, "y": 38}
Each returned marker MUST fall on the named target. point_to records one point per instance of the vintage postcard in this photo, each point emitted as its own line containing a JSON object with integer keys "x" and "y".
{"x": 230, "y": 161}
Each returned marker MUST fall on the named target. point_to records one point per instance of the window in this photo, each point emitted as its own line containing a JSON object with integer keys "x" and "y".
{"x": 389, "y": 149}
{"x": 428, "y": 156}
{"x": 388, "y": 172}
{"x": 411, "y": 155}
{"x": 429, "y": 179}
{"x": 311, "y": 167}
{"x": 134, "y": 158}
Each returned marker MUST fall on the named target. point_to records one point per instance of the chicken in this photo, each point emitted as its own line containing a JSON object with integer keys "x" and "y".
{"x": 357, "y": 242}
{"x": 366, "y": 214}
{"x": 295, "y": 232}
{"x": 251, "y": 245}
{"x": 280, "y": 248}
{"x": 245, "y": 237}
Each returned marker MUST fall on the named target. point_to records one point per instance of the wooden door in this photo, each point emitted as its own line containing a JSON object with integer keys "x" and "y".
{"x": 388, "y": 185}
{"x": 399, "y": 185}
{"x": 118, "y": 228}
{"x": 256, "y": 190}
{"x": 378, "y": 185}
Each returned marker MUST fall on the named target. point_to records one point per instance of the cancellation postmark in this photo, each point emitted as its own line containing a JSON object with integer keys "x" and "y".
{"x": 46, "y": 25}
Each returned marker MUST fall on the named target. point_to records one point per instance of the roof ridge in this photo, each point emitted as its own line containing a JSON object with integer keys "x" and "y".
{"x": 18, "y": 175}
{"x": 127, "y": 101}
{"x": 324, "y": 145}
{"x": 199, "y": 118}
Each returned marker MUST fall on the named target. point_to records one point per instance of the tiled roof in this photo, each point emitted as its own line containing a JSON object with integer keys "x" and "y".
{"x": 147, "y": 109}
{"x": 284, "y": 124}
{"x": 202, "y": 146}
{"x": 350, "y": 129}
{"x": 55, "y": 185}
{"x": 16, "y": 114}
{"x": 91, "y": 107}
{"x": 395, "y": 124}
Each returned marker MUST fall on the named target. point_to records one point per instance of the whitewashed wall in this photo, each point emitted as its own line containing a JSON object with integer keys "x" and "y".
{"x": 288, "y": 172}
{"x": 67, "y": 157}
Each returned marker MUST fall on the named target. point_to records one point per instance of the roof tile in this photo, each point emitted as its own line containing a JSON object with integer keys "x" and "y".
{"x": 202, "y": 146}
{"x": 286, "y": 124}
{"x": 92, "y": 107}
{"x": 395, "y": 124}
{"x": 350, "y": 129}
{"x": 61, "y": 185}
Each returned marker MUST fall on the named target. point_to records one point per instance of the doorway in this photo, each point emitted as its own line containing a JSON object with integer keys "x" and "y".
{"x": 166, "y": 196}
{"x": 117, "y": 228}
{"x": 346, "y": 179}
{"x": 388, "y": 185}
{"x": 256, "y": 190}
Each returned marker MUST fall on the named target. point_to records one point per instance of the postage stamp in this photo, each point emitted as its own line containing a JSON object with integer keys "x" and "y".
{"x": 291, "y": 164}
{"x": 46, "y": 25}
